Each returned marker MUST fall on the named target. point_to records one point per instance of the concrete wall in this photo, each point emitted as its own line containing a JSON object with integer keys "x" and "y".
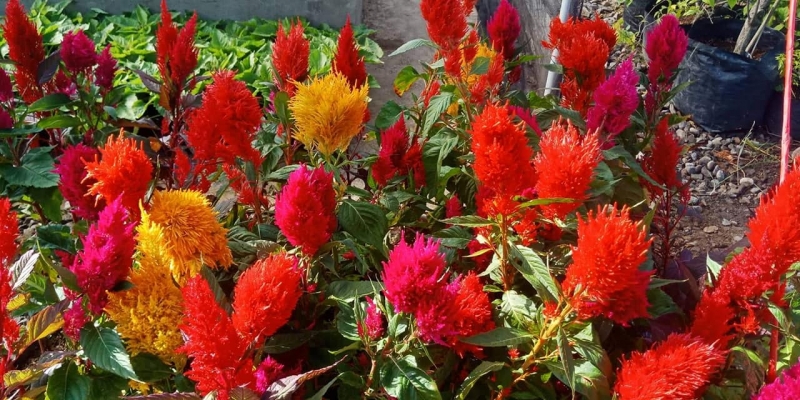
{"x": 331, "y": 12}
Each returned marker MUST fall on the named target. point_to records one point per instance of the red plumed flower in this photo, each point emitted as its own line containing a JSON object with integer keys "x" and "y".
{"x": 74, "y": 184}
{"x": 123, "y": 170}
{"x": 712, "y": 318}
{"x": 25, "y": 48}
{"x": 78, "y": 52}
{"x": 265, "y": 297}
{"x": 211, "y": 342}
{"x": 604, "y": 278}
{"x": 106, "y": 68}
{"x": 565, "y": 165}
{"x": 248, "y": 192}
{"x": 504, "y": 29}
{"x": 290, "y": 57}
{"x": 615, "y": 100}
{"x": 347, "y": 61}
{"x": 107, "y": 255}
{"x": 166, "y": 34}
{"x": 6, "y": 122}
{"x": 305, "y": 211}
{"x": 398, "y": 156}
{"x": 225, "y": 125}
{"x": 176, "y": 54}
{"x": 9, "y": 230}
{"x": 666, "y": 45}
{"x": 661, "y": 163}
{"x": 446, "y": 20}
{"x": 678, "y": 368}
{"x": 9, "y": 329}
{"x": 472, "y": 310}
{"x": 453, "y": 207}
{"x": 6, "y": 89}
{"x": 373, "y": 325}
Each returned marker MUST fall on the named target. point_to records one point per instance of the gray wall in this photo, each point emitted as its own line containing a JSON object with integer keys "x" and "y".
{"x": 331, "y": 12}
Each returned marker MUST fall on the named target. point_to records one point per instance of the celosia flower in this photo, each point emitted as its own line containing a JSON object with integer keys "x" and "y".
{"x": 565, "y": 164}
{"x": 6, "y": 122}
{"x": 453, "y": 207}
{"x": 176, "y": 54}
{"x": 678, "y": 368}
{"x": 122, "y": 171}
{"x": 615, "y": 100}
{"x": 446, "y": 21}
{"x": 73, "y": 183}
{"x": 785, "y": 388}
{"x": 63, "y": 84}
{"x": 483, "y": 259}
{"x": 481, "y": 85}
{"x": 504, "y": 29}
{"x": 290, "y": 57}
{"x": 305, "y": 209}
{"x": 398, "y": 156}
{"x": 373, "y": 324}
{"x": 211, "y": 342}
{"x": 6, "y": 90}
{"x": 661, "y": 163}
{"x": 604, "y": 278}
{"x": 106, "y": 68}
{"x": 192, "y": 234}
{"x": 265, "y": 297}
{"x": 9, "y": 230}
{"x": 328, "y": 113}
{"x": 248, "y": 192}
{"x": 9, "y": 329}
{"x": 472, "y": 310}
{"x": 78, "y": 52}
{"x": 225, "y": 125}
{"x": 269, "y": 372}
{"x": 712, "y": 318}
{"x": 501, "y": 153}
{"x": 74, "y": 319}
{"x": 107, "y": 255}
{"x": 414, "y": 275}
{"x": 347, "y": 61}
{"x": 666, "y": 45}
{"x": 25, "y": 49}
{"x": 481, "y": 51}
{"x": 146, "y": 314}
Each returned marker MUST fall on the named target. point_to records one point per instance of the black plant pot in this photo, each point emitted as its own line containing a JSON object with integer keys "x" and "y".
{"x": 774, "y": 117}
{"x": 728, "y": 92}
{"x": 638, "y": 14}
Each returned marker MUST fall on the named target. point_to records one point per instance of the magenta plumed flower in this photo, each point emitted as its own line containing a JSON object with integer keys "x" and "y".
{"x": 373, "y": 325}
{"x": 666, "y": 45}
{"x": 504, "y": 29}
{"x": 107, "y": 255}
{"x": 106, "y": 68}
{"x": 305, "y": 210}
{"x": 414, "y": 274}
{"x": 6, "y": 90}
{"x": 785, "y": 388}
{"x": 6, "y": 122}
{"x": 73, "y": 184}
{"x": 78, "y": 52}
{"x": 615, "y": 100}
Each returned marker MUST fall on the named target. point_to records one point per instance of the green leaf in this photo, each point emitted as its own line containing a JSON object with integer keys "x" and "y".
{"x": 366, "y": 222}
{"x": 471, "y": 221}
{"x": 434, "y": 151}
{"x": 565, "y": 354}
{"x": 283, "y": 342}
{"x": 411, "y": 45}
{"x": 59, "y": 121}
{"x": 44, "y": 323}
{"x": 321, "y": 393}
{"x": 149, "y": 368}
{"x": 405, "y": 79}
{"x": 104, "y": 348}
{"x": 498, "y": 337}
{"x": 436, "y": 107}
{"x": 713, "y": 268}
{"x": 36, "y": 170}
{"x": 56, "y": 237}
{"x": 589, "y": 381}
{"x": 619, "y": 152}
{"x": 49, "y": 103}
{"x": 389, "y": 114}
{"x": 403, "y": 380}
{"x": 281, "y": 105}
{"x": 346, "y": 321}
{"x": 479, "y": 371}
{"x": 23, "y": 131}
{"x": 348, "y": 290}
{"x": 660, "y": 304}
{"x": 536, "y": 272}
{"x": 545, "y": 201}
{"x": 68, "y": 384}
{"x": 519, "y": 307}
{"x": 50, "y": 200}
{"x": 107, "y": 386}
{"x": 283, "y": 389}
{"x": 454, "y": 236}
{"x": 480, "y": 66}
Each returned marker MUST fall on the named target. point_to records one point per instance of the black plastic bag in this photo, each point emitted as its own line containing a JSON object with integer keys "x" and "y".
{"x": 729, "y": 92}
{"x": 774, "y": 117}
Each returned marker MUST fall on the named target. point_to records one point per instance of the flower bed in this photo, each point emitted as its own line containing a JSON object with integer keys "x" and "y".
{"x": 499, "y": 245}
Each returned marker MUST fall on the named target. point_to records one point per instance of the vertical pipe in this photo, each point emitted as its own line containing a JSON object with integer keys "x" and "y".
{"x": 552, "y": 77}
{"x": 786, "y": 139}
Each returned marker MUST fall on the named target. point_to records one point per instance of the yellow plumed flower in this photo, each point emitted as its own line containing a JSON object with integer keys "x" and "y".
{"x": 328, "y": 113}
{"x": 148, "y": 315}
{"x": 192, "y": 236}
{"x": 483, "y": 51}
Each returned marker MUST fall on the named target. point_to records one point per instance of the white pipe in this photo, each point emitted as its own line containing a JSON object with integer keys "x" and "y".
{"x": 552, "y": 77}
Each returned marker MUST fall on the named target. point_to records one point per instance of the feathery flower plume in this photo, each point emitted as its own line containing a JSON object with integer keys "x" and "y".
{"x": 269, "y": 372}
{"x": 6, "y": 122}
{"x": 73, "y": 183}
{"x": 305, "y": 209}
{"x": 413, "y": 275}
{"x": 176, "y": 54}
{"x": 212, "y": 343}
{"x": 504, "y": 29}
{"x": 661, "y": 163}
{"x": 107, "y": 255}
{"x": 373, "y": 324}
{"x": 9, "y": 329}
{"x": 666, "y": 45}
{"x": 9, "y": 230}
{"x": 678, "y": 368}
{"x": 225, "y": 125}
{"x": 472, "y": 312}
{"x": 328, "y": 113}
{"x": 74, "y": 319}
{"x": 6, "y": 89}
{"x": 290, "y": 57}
{"x": 565, "y": 164}
{"x": 248, "y": 192}
{"x": 191, "y": 232}
{"x": 605, "y": 269}
{"x": 398, "y": 156}
{"x": 453, "y": 207}
{"x": 713, "y": 318}
{"x": 122, "y": 170}
{"x": 25, "y": 48}
{"x": 785, "y": 388}
{"x": 106, "y": 68}
{"x": 347, "y": 61}
{"x": 615, "y": 100}
{"x": 265, "y": 297}
{"x": 446, "y": 21}
{"x": 78, "y": 52}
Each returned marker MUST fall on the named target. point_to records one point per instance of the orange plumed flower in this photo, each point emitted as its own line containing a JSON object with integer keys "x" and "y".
{"x": 347, "y": 61}
{"x": 604, "y": 278}
{"x": 678, "y": 368}
{"x": 123, "y": 170}
{"x": 290, "y": 57}
{"x": 265, "y": 297}
{"x": 328, "y": 112}
{"x": 25, "y": 48}
{"x": 565, "y": 164}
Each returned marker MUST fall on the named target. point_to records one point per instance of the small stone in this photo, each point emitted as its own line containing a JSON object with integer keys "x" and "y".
{"x": 716, "y": 142}
{"x": 706, "y": 173}
{"x": 702, "y": 186}
{"x": 695, "y": 155}
{"x": 738, "y": 238}
{"x": 694, "y": 200}
{"x": 726, "y": 222}
{"x": 711, "y": 165}
{"x": 737, "y": 140}
{"x": 720, "y": 174}
{"x": 755, "y": 190}
{"x": 711, "y": 229}
{"x": 744, "y": 200}
{"x": 696, "y": 177}
{"x": 697, "y": 209}
{"x": 704, "y": 160}
{"x": 694, "y": 130}
{"x": 746, "y": 182}
{"x": 681, "y": 134}
{"x": 726, "y": 141}
{"x": 691, "y": 139}
{"x": 715, "y": 183}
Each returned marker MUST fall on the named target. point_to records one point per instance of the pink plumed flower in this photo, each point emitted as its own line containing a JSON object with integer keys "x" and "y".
{"x": 6, "y": 122}
{"x": 666, "y": 45}
{"x": 74, "y": 319}
{"x": 504, "y": 29}
{"x": 78, "y": 52}
{"x": 73, "y": 183}
{"x": 64, "y": 85}
{"x": 374, "y": 323}
{"x": 413, "y": 275}
{"x": 615, "y": 100}
{"x": 106, "y": 68}
{"x": 787, "y": 387}
{"x": 305, "y": 211}
{"x": 267, "y": 373}
{"x": 107, "y": 255}
{"x": 6, "y": 90}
